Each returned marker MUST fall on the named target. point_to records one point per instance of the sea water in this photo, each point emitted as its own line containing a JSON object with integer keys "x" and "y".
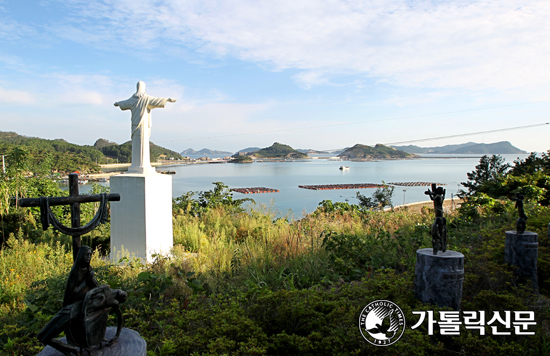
{"x": 293, "y": 201}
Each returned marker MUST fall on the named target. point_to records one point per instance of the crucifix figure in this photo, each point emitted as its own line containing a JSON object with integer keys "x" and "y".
{"x": 141, "y": 105}
{"x": 74, "y": 199}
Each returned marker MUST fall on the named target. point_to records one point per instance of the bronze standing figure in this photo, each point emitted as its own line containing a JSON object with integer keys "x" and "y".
{"x": 439, "y": 227}
{"x": 522, "y": 220}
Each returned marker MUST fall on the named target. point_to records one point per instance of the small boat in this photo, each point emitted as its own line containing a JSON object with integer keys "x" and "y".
{"x": 344, "y": 168}
{"x": 167, "y": 172}
{"x": 103, "y": 180}
{"x": 82, "y": 181}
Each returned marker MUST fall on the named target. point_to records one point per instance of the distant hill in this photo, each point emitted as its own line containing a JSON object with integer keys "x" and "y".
{"x": 204, "y": 151}
{"x": 58, "y": 154}
{"x": 503, "y": 147}
{"x": 100, "y": 143}
{"x": 123, "y": 153}
{"x": 336, "y": 151}
{"x": 279, "y": 150}
{"x": 377, "y": 152}
{"x": 249, "y": 149}
{"x": 68, "y": 157}
{"x": 310, "y": 151}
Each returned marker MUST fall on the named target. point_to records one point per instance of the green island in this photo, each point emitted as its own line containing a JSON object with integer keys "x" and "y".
{"x": 278, "y": 150}
{"x": 241, "y": 282}
{"x": 379, "y": 151}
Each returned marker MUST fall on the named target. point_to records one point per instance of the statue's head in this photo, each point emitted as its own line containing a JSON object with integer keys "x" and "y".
{"x": 439, "y": 190}
{"x": 84, "y": 256}
{"x": 140, "y": 89}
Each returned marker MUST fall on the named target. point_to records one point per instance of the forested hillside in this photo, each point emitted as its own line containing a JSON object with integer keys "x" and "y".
{"x": 279, "y": 150}
{"x": 377, "y": 152}
{"x": 123, "y": 153}
{"x": 59, "y": 155}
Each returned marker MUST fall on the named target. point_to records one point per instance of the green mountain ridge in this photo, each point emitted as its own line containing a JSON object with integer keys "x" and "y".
{"x": 379, "y": 151}
{"x": 58, "y": 154}
{"x": 279, "y": 150}
{"x": 204, "y": 151}
{"x": 502, "y": 147}
{"x": 123, "y": 152}
{"x": 63, "y": 156}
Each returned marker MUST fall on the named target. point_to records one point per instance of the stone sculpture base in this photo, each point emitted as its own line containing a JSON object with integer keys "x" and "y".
{"x": 521, "y": 250}
{"x": 128, "y": 344}
{"x": 141, "y": 222}
{"x": 438, "y": 278}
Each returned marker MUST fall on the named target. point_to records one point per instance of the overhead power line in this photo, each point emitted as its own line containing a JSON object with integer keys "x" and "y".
{"x": 466, "y": 134}
{"x": 356, "y": 122}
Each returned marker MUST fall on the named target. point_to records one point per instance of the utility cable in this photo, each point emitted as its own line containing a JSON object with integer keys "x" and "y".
{"x": 466, "y": 134}
{"x": 354, "y": 123}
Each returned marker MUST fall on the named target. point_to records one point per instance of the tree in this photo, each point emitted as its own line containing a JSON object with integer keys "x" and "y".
{"x": 487, "y": 177}
{"x": 380, "y": 198}
{"x": 218, "y": 197}
{"x": 532, "y": 164}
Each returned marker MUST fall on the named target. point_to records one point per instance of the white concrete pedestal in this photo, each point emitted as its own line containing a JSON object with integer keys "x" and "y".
{"x": 141, "y": 222}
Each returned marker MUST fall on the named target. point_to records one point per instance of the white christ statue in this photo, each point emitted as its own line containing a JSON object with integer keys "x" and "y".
{"x": 141, "y": 104}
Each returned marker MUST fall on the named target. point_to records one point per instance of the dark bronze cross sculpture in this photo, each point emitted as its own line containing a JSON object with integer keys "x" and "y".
{"x": 74, "y": 200}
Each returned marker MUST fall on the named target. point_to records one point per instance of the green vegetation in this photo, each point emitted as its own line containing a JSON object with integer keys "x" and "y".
{"x": 279, "y": 150}
{"x": 377, "y": 152}
{"x": 241, "y": 282}
{"x": 241, "y": 159}
{"x": 123, "y": 153}
{"x": 380, "y": 199}
{"x": 16, "y": 183}
{"x": 494, "y": 181}
{"x": 59, "y": 155}
{"x": 101, "y": 142}
{"x": 63, "y": 157}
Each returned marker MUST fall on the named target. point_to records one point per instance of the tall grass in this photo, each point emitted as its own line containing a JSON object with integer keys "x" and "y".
{"x": 253, "y": 246}
{"x": 23, "y": 262}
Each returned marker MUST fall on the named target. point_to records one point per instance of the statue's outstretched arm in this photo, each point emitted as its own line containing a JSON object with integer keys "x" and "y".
{"x": 171, "y": 100}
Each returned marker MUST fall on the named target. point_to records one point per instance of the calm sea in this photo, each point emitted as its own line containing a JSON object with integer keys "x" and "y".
{"x": 287, "y": 176}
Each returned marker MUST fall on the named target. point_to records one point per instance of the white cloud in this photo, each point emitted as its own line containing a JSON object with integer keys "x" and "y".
{"x": 82, "y": 97}
{"x": 451, "y": 44}
{"x": 11, "y": 96}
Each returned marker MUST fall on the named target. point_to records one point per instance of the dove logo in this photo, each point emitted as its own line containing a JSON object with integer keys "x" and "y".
{"x": 382, "y": 323}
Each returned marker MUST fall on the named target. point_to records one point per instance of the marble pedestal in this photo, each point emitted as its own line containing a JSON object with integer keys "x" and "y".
{"x": 521, "y": 250}
{"x": 438, "y": 278}
{"x": 128, "y": 344}
{"x": 141, "y": 222}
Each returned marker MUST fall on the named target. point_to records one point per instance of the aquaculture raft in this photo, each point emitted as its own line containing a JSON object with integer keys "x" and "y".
{"x": 254, "y": 190}
{"x": 341, "y": 186}
{"x": 415, "y": 184}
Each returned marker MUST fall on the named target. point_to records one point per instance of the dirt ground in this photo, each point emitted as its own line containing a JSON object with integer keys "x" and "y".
{"x": 448, "y": 205}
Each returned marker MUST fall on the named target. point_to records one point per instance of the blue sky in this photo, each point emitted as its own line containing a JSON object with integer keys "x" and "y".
{"x": 320, "y": 74}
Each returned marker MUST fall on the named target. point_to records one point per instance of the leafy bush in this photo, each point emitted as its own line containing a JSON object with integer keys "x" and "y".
{"x": 218, "y": 197}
